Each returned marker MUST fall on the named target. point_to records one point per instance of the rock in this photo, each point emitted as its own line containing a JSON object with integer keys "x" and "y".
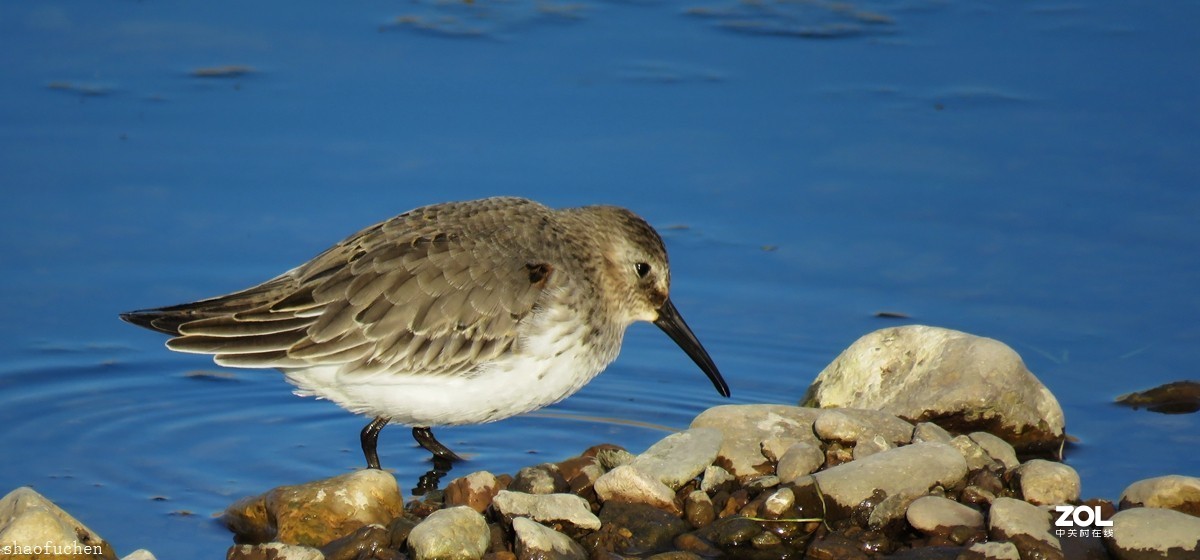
{"x": 1180, "y": 493}
{"x": 1026, "y": 525}
{"x": 996, "y": 448}
{"x": 676, "y": 555}
{"x": 1048, "y": 483}
{"x": 628, "y": 484}
{"x": 273, "y": 551}
{"x": 34, "y": 527}
{"x": 539, "y": 479}
{"x": 475, "y": 490}
{"x": 928, "y": 431}
{"x": 867, "y": 447}
{"x": 909, "y": 469}
{"x": 887, "y": 514}
{"x": 139, "y": 554}
{"x": 316, "y": 513}
{"x": 562, "y": 509}
{"x": 637, "y": 529}
{"x": 715, "y": 478}
{"x": 680, "y": 457}
{"x": 1145, "y": 533}
{"x": 929, "y": 513}
{"x": 964, "y": 383}
{"x": 613, "y": 457}
{"x": 800, "y": 459}
{"x": 779, "y": 503}
{"x": 976, "y": 457}
{"x": 698, "y": 509}
{"x": 996, "y": 550}
{"x": 745, "y": 427}
{"x": 457, "y": 533}
{"x": 851, "y": 425}
{"x": 536, "y": 541}
{"x": 367, "y": 542}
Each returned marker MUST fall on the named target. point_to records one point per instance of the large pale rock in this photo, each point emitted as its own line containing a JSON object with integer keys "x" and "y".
{"x": 1180, "y": 493}
{"x": 628, "y": 484}
{"x": 457, "y": 533}
{"x": 34, "y": 527}
{"x": 912, "y": 469}
{"x": 963, "y": 382}
{"x": 316, "y": 513}
{"x": 1048, "y": 483}
{"x": 746, "y": 426}
{"x": 561, "y": 509}
{"x": 929, "y": 514}
{"x": 1154, "y": 533}
{"x": 851, "y": 425}
{"x": 1026, "y": 526}
{"x": 535, "y": 541}
{"x": 680, "y": 457}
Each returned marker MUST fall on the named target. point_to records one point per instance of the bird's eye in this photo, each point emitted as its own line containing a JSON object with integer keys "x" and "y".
{"x": 642, "y": 269}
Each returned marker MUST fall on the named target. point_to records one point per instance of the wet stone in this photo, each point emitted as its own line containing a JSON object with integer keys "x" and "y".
{"x": 539, "y": 479}
{"x": 996, "y": 551}
{"x": 890, "y": 514}
{"x": 399, "y": 529}
{"x": 644, "y": 529}
{"x": 457, "y": 533}
{"x": 273, "y": 551}
{"x": 779, "y": 503}
{"x": 691, "y": 543}
{"x": 371, "y": 541}
{"x": 698, "y": 509}
{"x": 834, "y": 547}
{"x": 963, "y": 382}
{"x": 628, "y": 484}
{"x": 567, "y": 510}
{"x": 932, "y": 514}
{"x": 715, "y": 478}
{"x": 733, "y": 531}
{"x": 976, "y": 457}
{"x": 475, "y": 490}
{"x": 536, "y": 541}
{"x": 1047, "y": 483}
{"x": 318, "y": 512}
{"x": 1145, "y": 533}
{"x": 745, "y": 427}
{"x": 675, "y": 555}
{"x": 1180, "y": 493}
{"x": 680, "y": 457}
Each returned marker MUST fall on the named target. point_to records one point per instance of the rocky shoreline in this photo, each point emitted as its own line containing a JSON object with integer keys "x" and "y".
{"x": 915, "y": 443}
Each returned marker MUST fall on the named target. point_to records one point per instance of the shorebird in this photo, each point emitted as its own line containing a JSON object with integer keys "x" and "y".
{"x": 449, "y": 314}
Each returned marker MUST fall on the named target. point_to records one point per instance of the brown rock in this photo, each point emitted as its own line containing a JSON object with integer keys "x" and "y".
{"x": 475, "y": 491}
{"x": 318, "y": 512}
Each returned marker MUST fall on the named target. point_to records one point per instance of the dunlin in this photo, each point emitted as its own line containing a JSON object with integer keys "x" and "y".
{"x": 450, "y": 314}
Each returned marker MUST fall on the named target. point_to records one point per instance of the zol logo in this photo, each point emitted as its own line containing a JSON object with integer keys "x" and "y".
{"x": 1080, "y": 516}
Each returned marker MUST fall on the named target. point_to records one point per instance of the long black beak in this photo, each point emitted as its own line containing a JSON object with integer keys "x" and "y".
{"x": 671, "y": 322}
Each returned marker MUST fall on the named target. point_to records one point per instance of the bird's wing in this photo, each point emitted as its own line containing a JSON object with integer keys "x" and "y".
{"x": 434, "y": 291}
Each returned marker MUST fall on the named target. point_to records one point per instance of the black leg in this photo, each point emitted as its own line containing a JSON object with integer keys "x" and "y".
{"x": 370, "y": 437}
{"x": 424, "y": 437}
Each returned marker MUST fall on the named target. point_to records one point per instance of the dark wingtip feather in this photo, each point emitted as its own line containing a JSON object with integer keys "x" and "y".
{"x": 159, "y": 320}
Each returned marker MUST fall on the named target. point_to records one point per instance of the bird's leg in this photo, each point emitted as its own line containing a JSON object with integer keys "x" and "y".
{"x": 370, "y": 437}
{"x": 424, "y": 437}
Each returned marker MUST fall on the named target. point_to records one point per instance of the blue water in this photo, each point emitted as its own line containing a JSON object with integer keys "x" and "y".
{"x": 1026, "y": 172}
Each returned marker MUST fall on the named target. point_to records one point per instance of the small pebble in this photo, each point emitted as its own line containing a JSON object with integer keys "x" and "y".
{"x": 699, "y": 510}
